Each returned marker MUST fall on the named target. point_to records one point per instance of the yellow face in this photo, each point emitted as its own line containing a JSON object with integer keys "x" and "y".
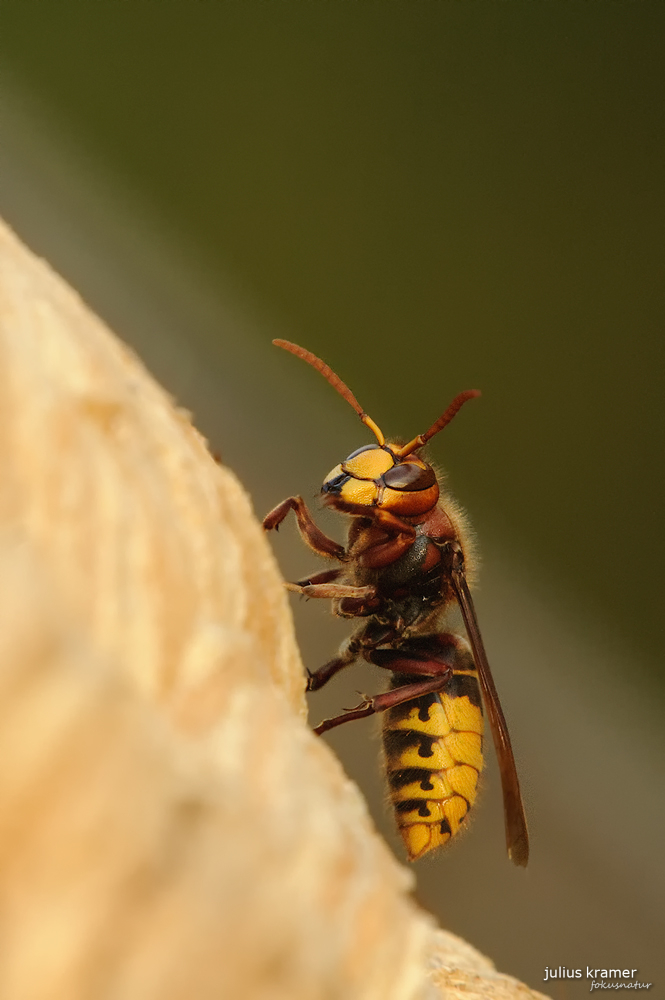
{"x": 373, "y": 477}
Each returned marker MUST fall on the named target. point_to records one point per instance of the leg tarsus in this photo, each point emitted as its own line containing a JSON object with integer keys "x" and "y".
{"x": 332, "y": 590}
{"x": 362, "y": 712}
{"x": 311, "y": 533}
{"x": 316, "y": 679}
{"x": 349, "y": 651}
{"x": 347, "y": 654}
{"x": 325, "y": 576}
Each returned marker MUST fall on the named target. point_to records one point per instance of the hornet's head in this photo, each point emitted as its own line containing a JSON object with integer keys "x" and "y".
{"x": 375, "y": 476}
{"x": 390, "y": 476}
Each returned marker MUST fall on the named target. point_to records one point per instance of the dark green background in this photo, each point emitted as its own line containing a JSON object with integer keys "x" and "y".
{"x": 433, "y": 196}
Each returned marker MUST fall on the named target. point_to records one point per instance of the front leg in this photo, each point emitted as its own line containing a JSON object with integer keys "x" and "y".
{"x": 386, "y": 539}
{"x": 311, "y": 534}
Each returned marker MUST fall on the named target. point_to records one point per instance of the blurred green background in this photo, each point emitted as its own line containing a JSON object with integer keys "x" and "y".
{"x": 432, "y": 196}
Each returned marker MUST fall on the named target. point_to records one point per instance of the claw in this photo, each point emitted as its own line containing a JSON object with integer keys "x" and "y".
{"x": 365, "y": 703}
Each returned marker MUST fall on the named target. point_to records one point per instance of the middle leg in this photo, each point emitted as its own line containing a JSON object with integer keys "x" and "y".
{"x": 361, "y": 642}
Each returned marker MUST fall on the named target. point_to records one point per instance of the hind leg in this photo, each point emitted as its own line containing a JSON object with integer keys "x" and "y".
{"x": 390, "y": 699}
{"x": 429, "y": 659}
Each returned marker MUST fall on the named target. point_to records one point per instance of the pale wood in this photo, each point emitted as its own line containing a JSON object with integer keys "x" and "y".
{"x": 169, "y": 827}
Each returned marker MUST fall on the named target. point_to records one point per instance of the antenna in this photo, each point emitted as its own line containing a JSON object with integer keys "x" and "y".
{"x": 344, "y": 391}
{"x": 335, "y": 381}
{"x": 438, "y": 425}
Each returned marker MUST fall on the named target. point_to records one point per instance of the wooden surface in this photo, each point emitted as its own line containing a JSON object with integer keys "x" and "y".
{"x": 169, "y": 827}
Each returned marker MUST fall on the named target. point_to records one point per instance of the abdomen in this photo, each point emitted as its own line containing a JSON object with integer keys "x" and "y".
{"x": 433, "y": 755}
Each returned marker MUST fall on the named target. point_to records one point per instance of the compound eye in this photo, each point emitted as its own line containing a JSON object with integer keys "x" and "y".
{"x": 409, "y": 477}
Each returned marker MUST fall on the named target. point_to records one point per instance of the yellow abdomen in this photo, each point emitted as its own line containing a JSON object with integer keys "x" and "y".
{"x": 433, "y": 753}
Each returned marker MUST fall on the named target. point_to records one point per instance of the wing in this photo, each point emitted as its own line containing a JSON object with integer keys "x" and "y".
{"x": 517, "y": 836}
